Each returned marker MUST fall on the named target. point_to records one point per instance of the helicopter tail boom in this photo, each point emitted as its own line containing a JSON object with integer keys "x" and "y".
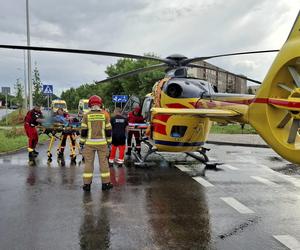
{"x": 275, "y": 111}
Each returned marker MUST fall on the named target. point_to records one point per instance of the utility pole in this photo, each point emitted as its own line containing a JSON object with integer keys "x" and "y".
{"x": 29, "y": 79}
{"x": 25, "y": 85}
{"x": 6, "y": 100}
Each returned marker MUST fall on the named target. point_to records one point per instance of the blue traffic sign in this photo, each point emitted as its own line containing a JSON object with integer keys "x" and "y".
{"x": 120, "y": 98}
{"x": 48, "y": 89}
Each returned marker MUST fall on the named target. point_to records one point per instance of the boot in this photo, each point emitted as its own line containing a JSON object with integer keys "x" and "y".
{"x": 73, "y": 159}
{"x": 86, "y": 187}
{"x": 35, "y": 153}
{"x": 107, "y": 186}
{"x": 60, "y": 155}
{"x": 31, "y": 158}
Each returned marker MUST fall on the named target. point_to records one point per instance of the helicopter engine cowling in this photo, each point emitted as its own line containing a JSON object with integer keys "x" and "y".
{"x": 275, "y": 111}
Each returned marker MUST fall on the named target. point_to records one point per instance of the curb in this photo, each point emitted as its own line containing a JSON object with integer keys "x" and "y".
{"x": 238, "y": 144}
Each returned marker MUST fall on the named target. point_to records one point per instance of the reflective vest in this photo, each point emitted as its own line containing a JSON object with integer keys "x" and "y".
{"x": 96, "y": 128}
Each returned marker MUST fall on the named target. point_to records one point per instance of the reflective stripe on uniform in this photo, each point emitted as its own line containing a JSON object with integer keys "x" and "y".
{"x": 107, "y": 174}
{"x": 95, "y": 142}
{"x": 109, "y": 139}
{"x": 95, "y": 117}
{"x": 89, "y": 130}
{"x": 108, "y": 125}
{"x": 82, "y": 140}
{"x": 87, "y": 175}
{"x": 83, "y": 125}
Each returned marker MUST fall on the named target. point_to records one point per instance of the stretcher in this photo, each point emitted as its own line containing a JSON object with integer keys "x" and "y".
{"x": 57, "y": 131}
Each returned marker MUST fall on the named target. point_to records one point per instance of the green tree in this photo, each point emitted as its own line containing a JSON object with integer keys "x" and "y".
{"x": 37, "y": 94}
{"x": 19, "y": 94}
{"x": 138, "y": 85}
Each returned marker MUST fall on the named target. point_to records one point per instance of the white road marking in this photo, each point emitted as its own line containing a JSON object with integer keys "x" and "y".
{"x": 183, "y": 168}
{"x": 293, "y": 180}
{"x": 265, "y": 181}
{"x": 237, "y": 205}
{"x": 230, "y": 167}
{"x": 203, "y": 182}
{"x": 288, "y": 241}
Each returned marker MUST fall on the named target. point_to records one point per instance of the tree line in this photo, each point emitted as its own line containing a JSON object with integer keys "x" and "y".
{"x": 138, "y": 85}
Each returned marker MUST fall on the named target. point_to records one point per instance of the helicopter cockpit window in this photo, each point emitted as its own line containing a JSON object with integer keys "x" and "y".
{"x": 187, "y": 88}
{"x": 178, "y": 131}
{"x": 147, "y": 104}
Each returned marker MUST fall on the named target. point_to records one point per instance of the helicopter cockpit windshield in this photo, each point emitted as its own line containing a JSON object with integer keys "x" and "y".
{"x": 187, "y": 88}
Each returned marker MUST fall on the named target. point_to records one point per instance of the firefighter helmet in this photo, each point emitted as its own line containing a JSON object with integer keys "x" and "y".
{"x": 95, "y": 100}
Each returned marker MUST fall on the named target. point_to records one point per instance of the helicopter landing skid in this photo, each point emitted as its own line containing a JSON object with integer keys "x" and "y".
{"x": 140, "y": 161}
{"x": 205, "y": 160}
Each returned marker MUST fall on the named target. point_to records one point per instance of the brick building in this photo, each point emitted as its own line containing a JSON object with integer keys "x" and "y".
{"x": 224, "y": 81}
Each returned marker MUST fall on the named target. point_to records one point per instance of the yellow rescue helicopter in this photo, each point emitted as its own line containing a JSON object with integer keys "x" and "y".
{"x": 180, "y": 110}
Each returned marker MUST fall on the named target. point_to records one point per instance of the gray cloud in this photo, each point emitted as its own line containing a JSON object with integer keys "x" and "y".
{"x": 164, "y": 27}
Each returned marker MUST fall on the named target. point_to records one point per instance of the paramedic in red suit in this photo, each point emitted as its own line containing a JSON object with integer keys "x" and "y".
{"x": 32, "y": 119}
{"x": 134, "y": 117}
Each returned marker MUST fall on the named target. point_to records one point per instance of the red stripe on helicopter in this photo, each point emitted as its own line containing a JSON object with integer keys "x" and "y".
{"x": 261, "y": 100}
{"x": 159, "y": 128}
{"x": 285, "y": 103}
{"x": 176, "y": 106}
{"x": 162, "y": 117}
{"x": 277, "y": 102}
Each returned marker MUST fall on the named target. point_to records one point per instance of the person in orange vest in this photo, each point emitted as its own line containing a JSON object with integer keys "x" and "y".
{"x": 32, "y": 119}
{"x": 95, "y": 135}
{"x": 134, "y": 117}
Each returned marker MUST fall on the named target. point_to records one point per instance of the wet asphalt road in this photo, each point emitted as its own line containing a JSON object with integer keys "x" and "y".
{"x": 245, "y": 205}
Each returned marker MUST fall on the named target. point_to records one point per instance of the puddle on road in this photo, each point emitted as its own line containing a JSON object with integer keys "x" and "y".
{"x": 240, "y": 228}
{"x": 289, "y": 169}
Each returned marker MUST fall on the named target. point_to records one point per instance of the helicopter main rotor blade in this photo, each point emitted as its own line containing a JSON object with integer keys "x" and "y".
{"x": 80, "y": 51}
{"x": 223, "y": 71}
{"x": 196, "y": 59}
{"x": 134, "y": 72}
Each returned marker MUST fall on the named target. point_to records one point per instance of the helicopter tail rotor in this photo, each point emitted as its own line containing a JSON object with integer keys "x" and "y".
{"x": 275, "y": 111}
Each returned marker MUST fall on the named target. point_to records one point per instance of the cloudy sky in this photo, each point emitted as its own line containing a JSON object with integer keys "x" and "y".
{"x": 164, "y": 27}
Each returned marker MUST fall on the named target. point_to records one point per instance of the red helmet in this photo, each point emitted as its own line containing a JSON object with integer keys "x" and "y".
{"x": 95, "y": 100}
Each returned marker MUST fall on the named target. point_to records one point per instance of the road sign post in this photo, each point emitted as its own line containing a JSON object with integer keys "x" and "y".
{"x": 48, "y": 90}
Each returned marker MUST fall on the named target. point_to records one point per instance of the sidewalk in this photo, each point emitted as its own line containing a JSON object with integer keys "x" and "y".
{"x": 250, "y": 140}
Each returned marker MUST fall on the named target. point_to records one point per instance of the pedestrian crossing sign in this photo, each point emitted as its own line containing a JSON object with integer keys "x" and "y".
{"x": 48, "y": 89}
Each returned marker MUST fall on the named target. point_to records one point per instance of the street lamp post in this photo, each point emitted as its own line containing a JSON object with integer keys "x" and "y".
{"x": 25, "y": 85}
{"x": 29, "y": 79}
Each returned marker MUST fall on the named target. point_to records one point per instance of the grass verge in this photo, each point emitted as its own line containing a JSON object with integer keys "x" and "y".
{"x": 14, "y": 118}
{"x": 232, "y": 129}
{"x": 14, "y": 139}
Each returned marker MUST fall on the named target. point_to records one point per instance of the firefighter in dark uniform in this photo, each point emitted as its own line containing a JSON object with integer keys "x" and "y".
{"x": 119, "y": 130}
{"x": 134, "y": 117}
{"x": 33, "y": 118}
